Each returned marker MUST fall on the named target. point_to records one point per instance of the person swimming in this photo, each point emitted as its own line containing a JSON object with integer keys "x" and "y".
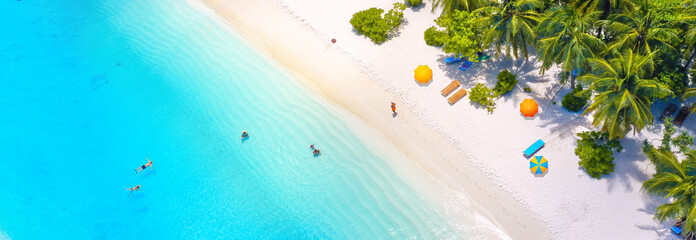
{"x": 143, "y": 167}
{"x": 316, "y": 152}
{"x": 311, "y": 146}
{"x": 136, "y": 188}
{"x": 245, "y": 134}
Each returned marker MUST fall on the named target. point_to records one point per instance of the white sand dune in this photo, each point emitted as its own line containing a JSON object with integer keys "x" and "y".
{"x": 475, "y": 154}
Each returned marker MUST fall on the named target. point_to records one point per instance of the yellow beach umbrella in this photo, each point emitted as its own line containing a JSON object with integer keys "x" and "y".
{"x": 539, "y": 165}
{"x": 423, "y": 74}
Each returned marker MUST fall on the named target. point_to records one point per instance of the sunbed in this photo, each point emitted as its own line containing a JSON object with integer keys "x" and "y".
{"x": 676, "y": 230}
{"x": 453, "y": 59}
{"x": 465, "y": 65}
{"x": 447, "y": 90}
{"x": 456, "y": 96}
{"x": 683, "y": 113}
{"x": 534, "y": 148}
{"x": 668, "y": 111}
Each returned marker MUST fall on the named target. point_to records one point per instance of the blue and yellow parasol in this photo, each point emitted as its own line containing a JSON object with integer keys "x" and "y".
{"x": 539, "y": 165}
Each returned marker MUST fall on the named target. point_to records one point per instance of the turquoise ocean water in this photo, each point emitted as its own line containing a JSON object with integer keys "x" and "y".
{"x": 88, "y": 89}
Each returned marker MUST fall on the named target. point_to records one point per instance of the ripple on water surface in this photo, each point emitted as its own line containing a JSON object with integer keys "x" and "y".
{"x": 158, "y": 79}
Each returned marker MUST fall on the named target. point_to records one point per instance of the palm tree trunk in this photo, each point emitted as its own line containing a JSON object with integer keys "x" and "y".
{"x": 572, "y": 80}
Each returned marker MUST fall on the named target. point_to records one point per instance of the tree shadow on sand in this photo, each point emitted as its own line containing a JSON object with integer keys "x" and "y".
{"x": 627, "y": 166}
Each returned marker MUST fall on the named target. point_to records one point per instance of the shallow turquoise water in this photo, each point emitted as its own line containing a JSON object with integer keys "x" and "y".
{"x": 91, "y": 88}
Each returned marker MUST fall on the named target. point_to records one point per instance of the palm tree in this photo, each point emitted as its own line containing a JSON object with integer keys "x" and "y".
{"x": 691, "y": 92}
{"x": 567, "y": 40}
{"x": 624, "y": 93}
{"x": 689, "y": 37}
{"x": 675, "y": 180}
{"x": 511, "y": 25}
{"x": 607, "y": 7}
{"x": 637, "y": 31}
{"x": 448, "y": 6}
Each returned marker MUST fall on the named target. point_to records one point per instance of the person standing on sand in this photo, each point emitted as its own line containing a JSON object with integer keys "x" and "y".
{"x": 393, "y": 106}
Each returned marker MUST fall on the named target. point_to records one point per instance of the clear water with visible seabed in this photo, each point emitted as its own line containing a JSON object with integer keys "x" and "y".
{"x": 89, "y": 88}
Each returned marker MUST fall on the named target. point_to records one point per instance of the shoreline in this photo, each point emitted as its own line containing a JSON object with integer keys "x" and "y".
{"x": 345, "y": 84}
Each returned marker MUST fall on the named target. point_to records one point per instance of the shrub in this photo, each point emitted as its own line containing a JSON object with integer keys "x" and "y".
{"x": 482, "y": 95}
{"x": 667, "y": 134}
{"x": 506, "y": 82}
{"x": 394, "y": 16}
{"x": 414, "y": 3}
{"x": 371, "y": 23}
{"x": 461, "y": 34}
{"x": 527, "y": 88}
{"x": 434, "y": 37}
{"x": 572, "y": 102}
{"x": 595, "y": 151}
{"x": 683, "y": 141}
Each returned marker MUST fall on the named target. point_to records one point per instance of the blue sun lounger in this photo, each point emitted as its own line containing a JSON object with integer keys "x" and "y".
{"x": 534, "y": 148}
{"x": 465, "y": 65}
{"x": 453, "y": 59}
{"x": 676, "y": 230}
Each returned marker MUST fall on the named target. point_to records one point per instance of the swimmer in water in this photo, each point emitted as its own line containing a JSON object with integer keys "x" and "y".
{"x": 316, "y": 152}
{"x": 136, "y": 188}
{"x": 245, "y": 134}
{"x": 311, "y": 146}
{"x": 143, "y": 167}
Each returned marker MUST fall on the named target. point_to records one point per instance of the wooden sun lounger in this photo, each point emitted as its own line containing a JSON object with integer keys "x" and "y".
{"x": 456, "y": 96}
{"x": 447, "y": 90}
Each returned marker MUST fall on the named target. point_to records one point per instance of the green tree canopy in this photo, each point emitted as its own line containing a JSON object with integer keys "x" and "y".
{"x": 675, "y": 180}
{"x": 450, "y": 6}
{"x": 565, "y": 39}
{"x": 371, "y": 23}
{"x": 462, "y": 37}
{"x": 510, "y": 26}
{"x": 595, "y": 151}
{"x": 638, "y": 31}
{"x": 624, "y": 93}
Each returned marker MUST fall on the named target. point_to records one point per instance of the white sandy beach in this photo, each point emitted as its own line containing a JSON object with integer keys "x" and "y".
{"x": 475, "y": 156}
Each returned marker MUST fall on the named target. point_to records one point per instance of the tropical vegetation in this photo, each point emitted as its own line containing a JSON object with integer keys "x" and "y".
{"x": 376, "y": 26}
{"x": 506, "y": 82}
{"x": 434, "y": 37}
{"x": 565, "y": 39}
{"x": 674, "y": 180}
{"x": 483, "y": 96}
{"x": 628, "y": 54}
{"x": 461, "y": 35}
{"x": 624, "y": 93}
{"x": 450, "y": 6}
{"x": 511, "y": 25}
{"x": 414, "y": 3}
{"x": 572, "y": 102}
{"x": 595, "y": 150}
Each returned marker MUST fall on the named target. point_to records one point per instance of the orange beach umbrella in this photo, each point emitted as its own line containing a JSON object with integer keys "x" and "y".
{"x": 423, "y": 74}
{"x": 529, "y": 107}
